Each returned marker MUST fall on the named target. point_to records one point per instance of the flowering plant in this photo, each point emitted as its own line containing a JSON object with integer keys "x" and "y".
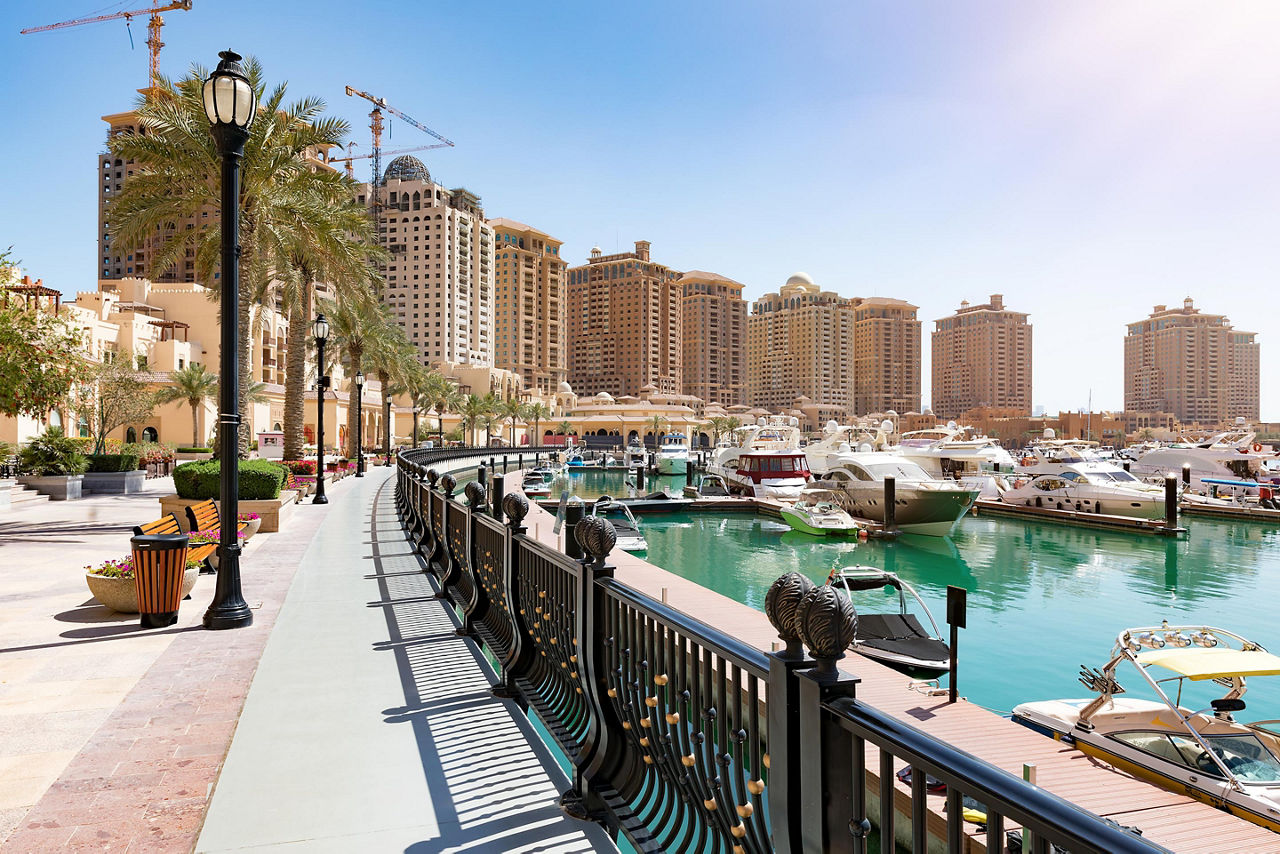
{"x": 300, "y": 466}
{"x": 123, "y": 567}
{"x": 248, "y": 517}
{"x": 213, "y": 535}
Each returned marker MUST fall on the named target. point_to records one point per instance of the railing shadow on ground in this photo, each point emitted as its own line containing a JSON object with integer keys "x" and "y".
{"x": 663, "y": 717}
{"x": 489, "y": 775}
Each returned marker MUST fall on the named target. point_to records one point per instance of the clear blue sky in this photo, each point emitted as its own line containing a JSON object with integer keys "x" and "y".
{"x": 1088, "y": 159}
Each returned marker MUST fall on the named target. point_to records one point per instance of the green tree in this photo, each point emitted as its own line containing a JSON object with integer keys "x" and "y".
{"x": 509, "y": 411}
{"x": 473, "y": 408}
{"x": 537, "y": 413}
{"x": 41, "y": 358}
{"x": 655, "y": 424}
{"x": 195, "y": 384}
{"x": 117, "y": 394}
{"x": 441, "y": 395}
{"x": 564, "y": 428}
{"x": 287, "y": 204}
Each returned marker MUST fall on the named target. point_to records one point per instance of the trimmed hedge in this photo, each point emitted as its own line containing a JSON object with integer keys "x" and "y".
{"x": 195, "y": 450}
{"x": 113, "y": 462}
{"x": 259, "y": 479}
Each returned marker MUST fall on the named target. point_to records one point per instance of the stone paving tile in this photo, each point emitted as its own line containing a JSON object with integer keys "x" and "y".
{"x": 142, "y": 778}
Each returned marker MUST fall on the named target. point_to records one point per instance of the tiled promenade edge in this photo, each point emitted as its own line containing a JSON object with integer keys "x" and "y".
{"x": 143, "y": 779}
{"x": 369, "y": 725}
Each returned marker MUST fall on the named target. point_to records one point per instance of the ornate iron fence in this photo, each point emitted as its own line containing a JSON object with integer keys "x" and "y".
{"x": 680, "y": 735}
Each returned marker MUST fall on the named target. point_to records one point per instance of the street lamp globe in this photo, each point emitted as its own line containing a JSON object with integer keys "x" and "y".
{"x": 229, "y": 99}
{"x": 320, "y": 328}
{"x": 359, "y": 379}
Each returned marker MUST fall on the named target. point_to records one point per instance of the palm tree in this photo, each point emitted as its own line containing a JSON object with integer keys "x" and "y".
{"x": 655, "y": 424}
{"x": 472, "y": 408}
{"x": 564, "y": 428}
{"x": 365, "y": 331}
{"x": 537, "y": 413}
{"x": 442, "y": 396}
{"x": 194, "y": 384}
{"x": 287, "y": 204}
{"x": 509, "y": 411}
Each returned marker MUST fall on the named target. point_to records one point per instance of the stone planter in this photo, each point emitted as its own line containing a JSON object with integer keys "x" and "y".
{"x": 252, "y": 526}
{"x": 121, "y": 594}
{"x": 273, "y": 511}
{"x": 59, "y": 487}
{"x": 115, "y": 482}
{"x": 185, "y": 458}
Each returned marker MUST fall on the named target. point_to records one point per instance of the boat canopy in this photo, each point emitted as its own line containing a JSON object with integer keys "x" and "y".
{"x": 1213, "y": 663}
{"x": 863, "y": 580}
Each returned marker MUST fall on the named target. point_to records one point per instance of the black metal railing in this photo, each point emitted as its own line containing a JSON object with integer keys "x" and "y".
{"x": 680, "y": 735}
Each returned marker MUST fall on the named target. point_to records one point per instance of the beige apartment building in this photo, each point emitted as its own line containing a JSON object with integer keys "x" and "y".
{"x": 624, "y": 324}
{"x": 529, "y": 305}
{"x": 886, "y": 355}
{"x": 1193, "y": 365}
{"x": 714, "y": 321}
{"x": 801, "y": 344}
{"x": 440, "y": 277}
{"x": 982, "y": 357}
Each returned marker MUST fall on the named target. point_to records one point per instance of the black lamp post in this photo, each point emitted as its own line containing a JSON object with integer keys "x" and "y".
{"x": 387, "y": 421}
{"x": 230, "y": 103}
{"x": 414, "y": 442}
{"x": 321, "y": 330}
{"x": 359, "y": 425}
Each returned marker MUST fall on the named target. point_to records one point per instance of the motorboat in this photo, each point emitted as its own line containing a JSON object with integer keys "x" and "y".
{"x": 1231, "y": 454}
{"x": 712, "y": 486}
{"x": 635, "y": 455}
{"x": 923, "y": 504}
{"x": 1092, "y": 490}
{"x": 536, "y": 483}
{"x": 895, "y": 637}
{"x": 955, "y": 452}
{"x": 575, "y": 461}
{"x": 673, "y": 454}
{"x": 817, "y": 511}
{"x": 767, "y": 462}
{"x": 1203, "y": 752}
{"x": 624, "y": 523}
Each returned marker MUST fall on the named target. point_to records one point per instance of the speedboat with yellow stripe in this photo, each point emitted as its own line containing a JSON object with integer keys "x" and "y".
{"x": 1205, "y": 753}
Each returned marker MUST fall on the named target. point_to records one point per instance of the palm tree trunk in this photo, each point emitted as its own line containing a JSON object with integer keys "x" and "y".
{"x": 247, "y": 338}
{"x": 355, "y": 352}
{"x": 295, "y": 384}
{"x": 195, "y": 423}
{"x": 384, "y": 379}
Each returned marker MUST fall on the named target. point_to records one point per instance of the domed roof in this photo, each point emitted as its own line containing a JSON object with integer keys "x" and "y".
{"x": 800, "y": 279}
{"x": 565, "y": 388}
{"x": 604, "y": 395}
{"x": 406, "y": 168}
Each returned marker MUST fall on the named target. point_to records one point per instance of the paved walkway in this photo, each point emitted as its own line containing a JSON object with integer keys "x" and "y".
{"x": 368, "y": 725}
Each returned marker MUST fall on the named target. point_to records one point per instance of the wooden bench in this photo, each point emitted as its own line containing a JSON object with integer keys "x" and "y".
{"x": 204, "y": 517}
{"x": 168, "y": 524}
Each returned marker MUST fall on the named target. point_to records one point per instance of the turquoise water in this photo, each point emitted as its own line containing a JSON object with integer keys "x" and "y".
{"x": 1043, "y": 598}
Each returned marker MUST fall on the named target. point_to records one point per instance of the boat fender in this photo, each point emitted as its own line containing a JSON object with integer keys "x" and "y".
{"x": 1257, "y": 447}
{"x": 863, "y": 533}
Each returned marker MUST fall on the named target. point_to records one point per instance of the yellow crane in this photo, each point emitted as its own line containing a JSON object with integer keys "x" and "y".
{"x": 375, "y": 125}
{"x": 153, "y": 28}
{"x": 347, "y": 161}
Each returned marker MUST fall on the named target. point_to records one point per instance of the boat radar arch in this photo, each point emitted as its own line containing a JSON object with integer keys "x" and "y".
{"x": 1050, "y": 433}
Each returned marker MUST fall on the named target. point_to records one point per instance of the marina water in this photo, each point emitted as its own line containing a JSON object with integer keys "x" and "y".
{"x": 1043, "y": 598}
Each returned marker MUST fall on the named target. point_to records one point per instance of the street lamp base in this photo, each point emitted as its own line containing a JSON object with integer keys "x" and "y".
{"x": 228, "y": 615}
{"x": 320, "y": 499}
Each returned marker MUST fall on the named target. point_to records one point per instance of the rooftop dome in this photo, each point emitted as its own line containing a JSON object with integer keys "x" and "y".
{"x": 565, "y": 388}
{"x": 800, "y": 279}
{"x": 406, "y": 168}
{"x": 604, "y": 395}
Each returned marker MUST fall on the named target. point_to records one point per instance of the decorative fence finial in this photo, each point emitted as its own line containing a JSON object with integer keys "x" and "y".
{"x": 597, "y": 537}
{"x": 432, "y": 476}
{"x": 827, "y": 623}
{"x": 476, "y": 494}
{"x": 780, "y": 605}
{"x": 447, "y": 484}
{"x": 516, "y": 506}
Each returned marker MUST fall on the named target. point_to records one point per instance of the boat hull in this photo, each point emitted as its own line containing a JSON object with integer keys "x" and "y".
{"x": 673, "y": 465}
{"x": 802, "y": 523}
{"x": 930, "y": 512}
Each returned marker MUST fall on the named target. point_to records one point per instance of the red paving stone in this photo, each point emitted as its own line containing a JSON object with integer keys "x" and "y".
{"x": 142, "y": 782}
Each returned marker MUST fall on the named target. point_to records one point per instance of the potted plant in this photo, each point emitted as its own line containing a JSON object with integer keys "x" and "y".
{"x": 114, "y": 474}
{"x": 54, "y": 465}
{"x": 112, "y": 584}
{"x": 252, "y": 523}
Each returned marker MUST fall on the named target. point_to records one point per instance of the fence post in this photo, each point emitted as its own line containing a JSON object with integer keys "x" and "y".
{"x": 602, "y": 749}
{"x": 780, "y": 605}
{"x": 474, "y": 608}
{"x": 440, "y": 557}
{"x": 426, "y": 543}
{"x": 517, "y": 661}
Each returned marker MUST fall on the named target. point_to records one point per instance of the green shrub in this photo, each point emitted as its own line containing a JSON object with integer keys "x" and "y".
{"x": 52, "y": 454}
{"x": 259, "y": 479}
{"x": 195, "y": 450}
{"x": 113, "y": 462}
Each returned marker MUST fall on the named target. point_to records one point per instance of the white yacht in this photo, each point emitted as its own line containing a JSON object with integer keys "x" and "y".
{"x": 1205, "y": 753}
{"x": 1227, "y": 455}
{"x": 1058, "y": 475}
{"x": 767, "y": 462}
{"x": 673, "y": 454}
{"x": 635, "y": 455}
{"x": 924, "y": 504}
{"x": 954, "y": 451}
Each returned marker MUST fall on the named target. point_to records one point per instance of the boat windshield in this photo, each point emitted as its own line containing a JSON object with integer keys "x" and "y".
{"x": 1118, "y": 476}
{"x": 1247, "y": 757}
{"x": 899, "y": 469}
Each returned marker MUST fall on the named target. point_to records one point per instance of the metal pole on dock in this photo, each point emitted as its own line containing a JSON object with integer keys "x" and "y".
{"x": 890, "y": 504}
{"x": 957, "y": 608}
{"x": 1186, "y": 474}
{"x": 1170, "y": 501}
{"x": 688, "y": 474}
{"x": 640, "y": 477}
{"x": 573, "y": 514}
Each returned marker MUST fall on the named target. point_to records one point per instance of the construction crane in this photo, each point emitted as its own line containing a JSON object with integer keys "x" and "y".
{"x": 375, "y": 125}
{"x": 347, "y": 161}
{"x": 153, "y": 28}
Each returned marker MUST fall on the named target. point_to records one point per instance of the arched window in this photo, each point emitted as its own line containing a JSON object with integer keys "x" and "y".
{"x": 131, "y": 435}
{"x": 150, "y": 434}
{"x": 277, "y": 427}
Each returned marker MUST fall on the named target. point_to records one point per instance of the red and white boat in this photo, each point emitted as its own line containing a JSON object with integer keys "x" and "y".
{"x": 767, "y": 462}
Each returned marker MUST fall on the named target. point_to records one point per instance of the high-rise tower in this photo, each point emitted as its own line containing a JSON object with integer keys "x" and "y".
{"x": 981, "y": 357}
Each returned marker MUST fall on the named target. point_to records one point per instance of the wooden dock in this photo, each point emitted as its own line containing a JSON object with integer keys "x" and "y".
{"x": 1250, "y": 514}
{"x": 1173, "y": 820}
{"x": 1079, "y": 518}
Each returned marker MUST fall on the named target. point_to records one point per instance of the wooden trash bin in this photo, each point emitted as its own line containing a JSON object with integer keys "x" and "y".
{"x": 159, "y": 562}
